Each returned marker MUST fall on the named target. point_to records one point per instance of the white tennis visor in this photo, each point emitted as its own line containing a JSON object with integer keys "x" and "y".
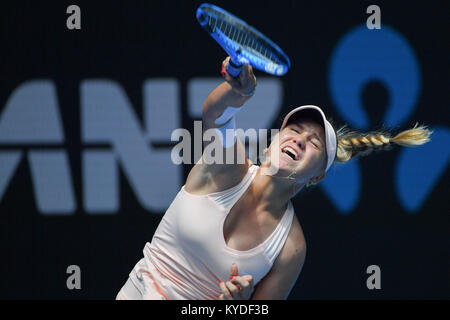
{"x": 330, "y": 135}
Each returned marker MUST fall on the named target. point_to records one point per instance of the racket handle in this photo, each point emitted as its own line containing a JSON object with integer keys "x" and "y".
{"x": 233, "y": 68}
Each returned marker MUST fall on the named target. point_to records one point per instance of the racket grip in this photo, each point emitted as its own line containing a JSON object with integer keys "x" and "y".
{"x": 234, "y": 69}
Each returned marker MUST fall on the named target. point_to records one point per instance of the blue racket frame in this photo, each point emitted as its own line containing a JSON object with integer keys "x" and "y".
{"x": 238, "y": 55}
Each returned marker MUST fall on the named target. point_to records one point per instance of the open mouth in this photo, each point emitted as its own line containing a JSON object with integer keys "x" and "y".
{"x": 290, "y": 152}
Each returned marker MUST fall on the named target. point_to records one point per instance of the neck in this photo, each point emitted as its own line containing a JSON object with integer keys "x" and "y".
{"x": 272, "y": 192}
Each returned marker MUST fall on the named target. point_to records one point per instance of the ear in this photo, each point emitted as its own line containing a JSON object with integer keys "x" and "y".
{"x": 316, "y": 180}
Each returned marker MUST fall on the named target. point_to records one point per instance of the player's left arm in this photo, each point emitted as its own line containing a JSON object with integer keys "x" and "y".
{"x": 278, "y": 283}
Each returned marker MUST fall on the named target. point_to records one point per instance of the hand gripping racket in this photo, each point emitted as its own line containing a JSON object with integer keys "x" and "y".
{"x": 243, "y": 43}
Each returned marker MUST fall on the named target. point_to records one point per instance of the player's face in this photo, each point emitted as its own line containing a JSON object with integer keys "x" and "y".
{"x": 301, "y": 150}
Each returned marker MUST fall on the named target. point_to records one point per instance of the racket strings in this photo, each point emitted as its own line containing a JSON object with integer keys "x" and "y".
{"x": 242, "y": 36}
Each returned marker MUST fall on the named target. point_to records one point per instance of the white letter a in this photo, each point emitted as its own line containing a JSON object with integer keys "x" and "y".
{"x": 374, "y": 21}
{"x": 374, "y": 281}
{"x": 74, "y": 281}
{"x": 73, "y": 21}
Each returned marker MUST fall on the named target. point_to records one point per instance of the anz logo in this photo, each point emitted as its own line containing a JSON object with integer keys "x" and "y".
{"x": 112, "y": 136}
{"x": 362, "y": 56}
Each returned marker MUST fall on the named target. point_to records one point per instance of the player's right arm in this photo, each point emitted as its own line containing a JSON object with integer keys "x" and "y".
{"x": 218, "y": 113}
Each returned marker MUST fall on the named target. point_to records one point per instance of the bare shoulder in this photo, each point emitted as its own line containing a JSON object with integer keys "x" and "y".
{"x": 204, "y": 179}
{"x": 295, "y": 246}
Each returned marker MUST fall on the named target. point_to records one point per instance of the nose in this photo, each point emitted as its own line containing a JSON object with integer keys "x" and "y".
{"x": 299, "y": 140}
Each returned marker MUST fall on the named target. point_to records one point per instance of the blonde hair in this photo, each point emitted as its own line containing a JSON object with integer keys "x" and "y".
{"x": 353, "y": 143}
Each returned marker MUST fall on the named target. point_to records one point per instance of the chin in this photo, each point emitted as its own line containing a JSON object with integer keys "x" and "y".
{"x": 281, "y": 166}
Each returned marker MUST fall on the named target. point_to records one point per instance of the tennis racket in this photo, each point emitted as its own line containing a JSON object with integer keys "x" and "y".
{"x": 243, "y": 43}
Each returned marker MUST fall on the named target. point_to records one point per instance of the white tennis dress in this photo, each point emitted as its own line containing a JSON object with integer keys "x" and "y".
{"x": 188, "y": 255}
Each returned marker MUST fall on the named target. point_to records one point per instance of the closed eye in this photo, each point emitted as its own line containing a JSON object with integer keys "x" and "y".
{"x": 317, "y": 145}
{"x": 313, "y": 139}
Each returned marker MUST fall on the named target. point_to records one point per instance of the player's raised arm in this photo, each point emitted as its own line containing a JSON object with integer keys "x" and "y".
{"x": 218, "y": 172}
{"x": 219, "y": 116}
{"x": 226, "y": 100}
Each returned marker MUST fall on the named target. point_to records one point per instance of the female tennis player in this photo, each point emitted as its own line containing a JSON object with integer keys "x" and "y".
{"x": 231, "y": 231}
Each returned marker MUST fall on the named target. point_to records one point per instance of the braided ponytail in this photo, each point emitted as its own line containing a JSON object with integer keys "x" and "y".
{"x": 354, "y": 143}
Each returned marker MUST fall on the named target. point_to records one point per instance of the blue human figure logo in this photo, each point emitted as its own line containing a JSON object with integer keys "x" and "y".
{"x": 385, "y": 56}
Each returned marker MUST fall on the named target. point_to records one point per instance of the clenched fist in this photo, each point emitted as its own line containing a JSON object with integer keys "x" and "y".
{"x": 245, "y": 83}
{"x": 238, "y": 288}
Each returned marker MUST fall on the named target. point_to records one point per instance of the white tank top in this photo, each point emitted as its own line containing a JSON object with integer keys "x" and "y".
{"x": 188, "y": 255}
